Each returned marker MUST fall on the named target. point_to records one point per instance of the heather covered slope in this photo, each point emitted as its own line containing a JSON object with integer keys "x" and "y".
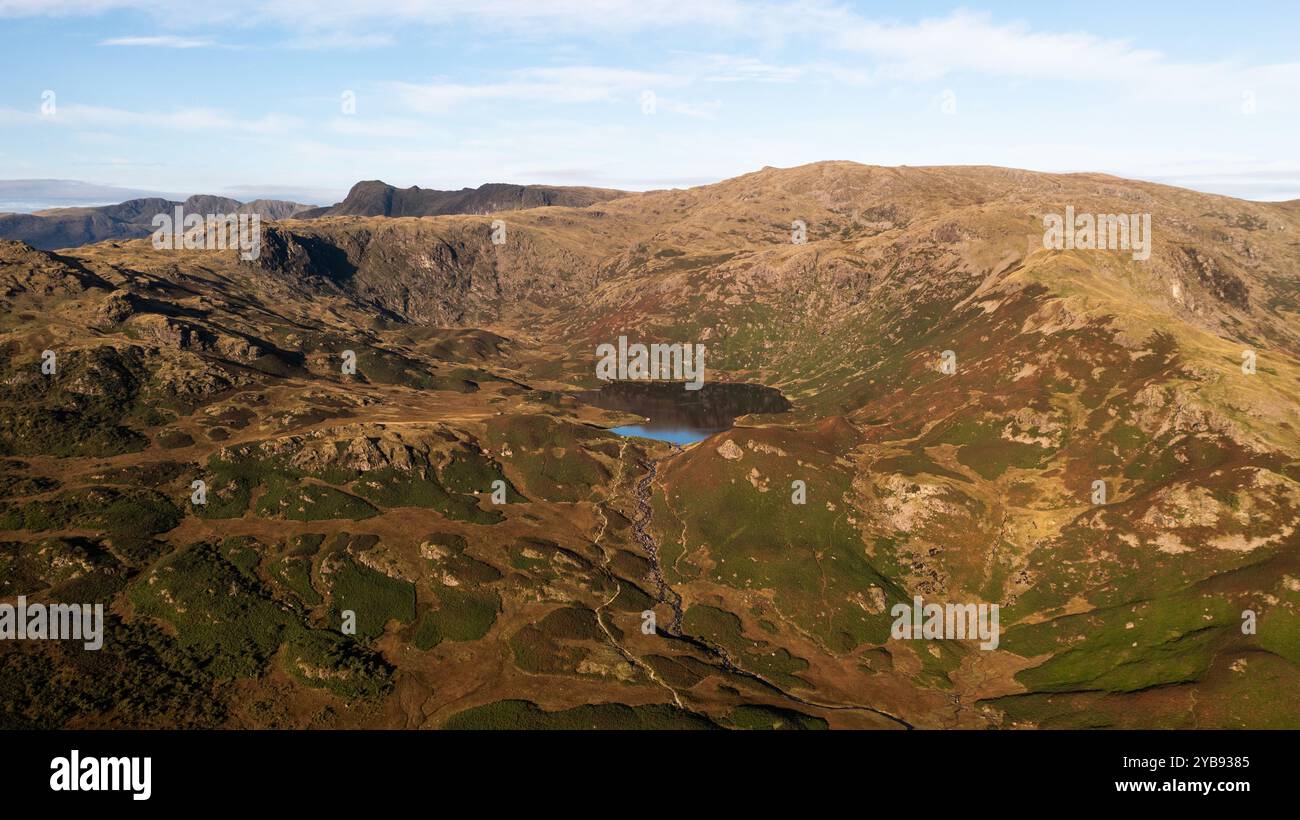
{"x": 330, "y": 492}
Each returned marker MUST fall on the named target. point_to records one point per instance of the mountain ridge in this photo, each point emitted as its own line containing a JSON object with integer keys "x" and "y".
{"x": 377, "y": 198}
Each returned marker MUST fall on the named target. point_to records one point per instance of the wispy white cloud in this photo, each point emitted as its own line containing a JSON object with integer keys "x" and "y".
{"x": 856, "y": 47}
{"x": 973, "y": 44}
{"x": 76, "y": 115}
{"x": 702, "y": 111}
{"x": 728, "y": 68}
{"x": 524, "y": 18}
{"x": 559, "y": 85}
{"x": 516, "y": 16}
{"x": 159, "y": 41}
{"x": 65, "y": 8}
{"x": 387, "y": 128}
{"x": 340, "y": 41}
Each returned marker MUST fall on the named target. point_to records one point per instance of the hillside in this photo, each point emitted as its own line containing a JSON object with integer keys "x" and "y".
{"x": 371, "y": 493}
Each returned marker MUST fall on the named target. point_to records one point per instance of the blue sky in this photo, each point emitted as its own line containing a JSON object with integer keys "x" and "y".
{"x": 247, "y": 99}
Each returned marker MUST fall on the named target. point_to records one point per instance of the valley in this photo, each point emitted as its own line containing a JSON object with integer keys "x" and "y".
{"x": 829, "y": 468}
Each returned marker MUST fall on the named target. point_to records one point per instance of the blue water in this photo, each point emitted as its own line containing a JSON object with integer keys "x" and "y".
{"x": 681, "y": 436}
{"x": 671, "y": 413}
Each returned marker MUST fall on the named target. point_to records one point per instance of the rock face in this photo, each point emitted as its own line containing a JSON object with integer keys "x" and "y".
{"x": 119, "y": 306}
{"x": 24, "y": 270}
{"x": 446, "y": 274}
{"x": 729, "y": 450}
{"x": 355, "y": 447}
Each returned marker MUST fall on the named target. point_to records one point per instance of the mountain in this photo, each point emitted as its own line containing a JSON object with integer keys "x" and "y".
{"x": 375, "y": 198}
{"x": 1103, "y": 443}
{"x": 133, "y": 219}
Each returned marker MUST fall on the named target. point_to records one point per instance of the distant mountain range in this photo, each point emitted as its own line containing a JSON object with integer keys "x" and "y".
{"x": 133, "y": 219}
{"x": 68, "y": 227}
{"x": 27, "y": 196}
{"x": 375, "y": 198}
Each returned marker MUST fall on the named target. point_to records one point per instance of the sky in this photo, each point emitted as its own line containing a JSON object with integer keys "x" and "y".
{"x": 302, "y": 99}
